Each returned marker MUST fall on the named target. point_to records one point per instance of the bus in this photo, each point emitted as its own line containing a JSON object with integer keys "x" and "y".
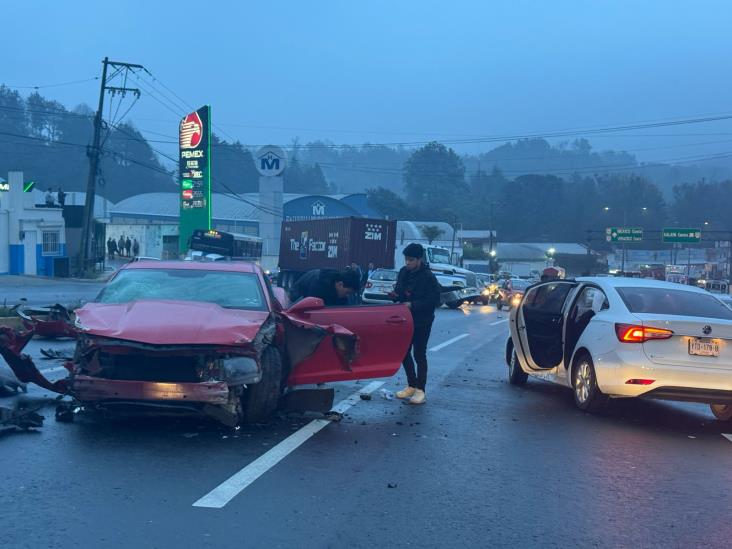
{"x": 237, "y": 246}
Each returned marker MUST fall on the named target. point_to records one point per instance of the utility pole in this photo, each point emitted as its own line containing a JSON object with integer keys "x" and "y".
{"x": 94, "y": 152}
{"x": 454, "y": 229}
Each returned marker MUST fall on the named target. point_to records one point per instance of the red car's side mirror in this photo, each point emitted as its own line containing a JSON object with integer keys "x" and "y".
{"x": 307, "y": 304}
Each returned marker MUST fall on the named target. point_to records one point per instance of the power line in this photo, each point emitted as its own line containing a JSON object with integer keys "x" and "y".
{"x": 58, "y": 85}
{"x": 185, "y": 103}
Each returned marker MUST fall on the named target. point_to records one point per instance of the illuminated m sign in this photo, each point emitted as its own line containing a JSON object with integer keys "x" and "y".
{"x": 270, "y": 161}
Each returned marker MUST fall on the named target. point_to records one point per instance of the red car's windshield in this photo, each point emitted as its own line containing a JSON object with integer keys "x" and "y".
{"x": 227, "y": 289}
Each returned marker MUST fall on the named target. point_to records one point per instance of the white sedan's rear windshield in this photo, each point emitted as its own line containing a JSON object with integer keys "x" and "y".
{"x": 663, "y": 301}
{"x": 227, "y": 289}
{"x": 384, "y": 275}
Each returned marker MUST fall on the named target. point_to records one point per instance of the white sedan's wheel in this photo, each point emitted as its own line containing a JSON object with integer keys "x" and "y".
{"x": 582, "y": 381}
{"x": 516, "y": 376}
{"x": 723, "y": 412}
{"x": 587, "y": 395}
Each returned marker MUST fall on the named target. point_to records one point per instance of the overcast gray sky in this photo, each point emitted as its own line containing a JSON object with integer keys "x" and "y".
{"x": 391, "y": 71}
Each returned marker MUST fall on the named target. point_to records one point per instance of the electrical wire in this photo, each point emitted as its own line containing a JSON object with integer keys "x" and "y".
{"x": 58, "y": 85}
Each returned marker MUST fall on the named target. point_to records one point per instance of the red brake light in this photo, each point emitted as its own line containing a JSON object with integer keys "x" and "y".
{"x": 629, "y": 333}
{"x": 640, "y": 381}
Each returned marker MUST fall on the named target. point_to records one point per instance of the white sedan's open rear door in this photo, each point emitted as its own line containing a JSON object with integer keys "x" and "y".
{"x": 537, "y": 324}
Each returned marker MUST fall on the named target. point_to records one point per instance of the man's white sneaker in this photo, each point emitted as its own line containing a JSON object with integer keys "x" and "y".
{"x": 406, "y": 392}
{"x": 418, "y": 397}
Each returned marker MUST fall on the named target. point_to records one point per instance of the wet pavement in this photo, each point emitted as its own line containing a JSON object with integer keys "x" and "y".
{"x": 482, "y": 464}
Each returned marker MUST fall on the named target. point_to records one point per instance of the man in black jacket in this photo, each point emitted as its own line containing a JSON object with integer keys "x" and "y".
{"x": 332, "y": 287}
{"x": 418, "y": 288}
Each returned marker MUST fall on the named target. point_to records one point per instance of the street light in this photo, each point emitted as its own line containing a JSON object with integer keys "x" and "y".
{"x": 551, "y": 251}
{"x": 492, "y": 253}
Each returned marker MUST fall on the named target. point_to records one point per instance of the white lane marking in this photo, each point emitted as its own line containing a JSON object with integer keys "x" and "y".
{"x": 226, "y": 491}
{"x": 499, "y": 322}
{"x": 728, "y": 437}
{"x": 448, "y": 342}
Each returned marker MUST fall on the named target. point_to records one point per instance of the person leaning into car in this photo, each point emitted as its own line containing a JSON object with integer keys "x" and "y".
{"x": 333, "y": 287}
{"x": 418, "y": 288}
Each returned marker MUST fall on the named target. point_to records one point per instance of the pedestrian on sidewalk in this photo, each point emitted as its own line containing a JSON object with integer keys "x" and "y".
{"x": 418, "y": 288}
{"x": 121, "y": 245}
{"x": 135, "y": 248}
{"x": 110, "y": 249}
{"x": 128, "y": 246}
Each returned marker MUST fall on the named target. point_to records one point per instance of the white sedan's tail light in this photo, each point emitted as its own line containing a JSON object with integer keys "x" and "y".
{"x": 630, "y": 333}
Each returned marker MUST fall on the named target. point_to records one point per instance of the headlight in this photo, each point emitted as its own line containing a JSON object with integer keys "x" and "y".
{"x": 486, "y": 292}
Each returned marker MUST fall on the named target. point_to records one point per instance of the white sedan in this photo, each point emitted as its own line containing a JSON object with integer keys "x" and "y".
{"x": 379, "y": 286}
{"x": 624, "y": 337}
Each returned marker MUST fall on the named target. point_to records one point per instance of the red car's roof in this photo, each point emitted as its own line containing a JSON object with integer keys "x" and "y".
{"x": 228, "y": 266}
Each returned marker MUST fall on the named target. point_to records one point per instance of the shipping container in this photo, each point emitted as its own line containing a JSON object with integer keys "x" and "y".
{"x": 334, "y": 244}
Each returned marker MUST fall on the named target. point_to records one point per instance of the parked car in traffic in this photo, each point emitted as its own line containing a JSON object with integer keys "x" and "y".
{"x": 619, "y": 337}
{"x": 379, "y": 286}
{"x": 212, "y": 339}
{"x": 511, "y": 291}
{"x": 488, "y": 285}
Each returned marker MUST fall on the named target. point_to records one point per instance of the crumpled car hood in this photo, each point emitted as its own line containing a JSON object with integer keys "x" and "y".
{"x": 170, "y": 322}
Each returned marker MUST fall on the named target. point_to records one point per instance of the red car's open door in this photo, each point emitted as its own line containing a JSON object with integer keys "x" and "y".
{"x": 352, "y": 342}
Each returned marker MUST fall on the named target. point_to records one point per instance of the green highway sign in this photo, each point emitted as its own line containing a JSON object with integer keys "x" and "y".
{"x": 684, "y": 236}
{"x": 624, "y": 234}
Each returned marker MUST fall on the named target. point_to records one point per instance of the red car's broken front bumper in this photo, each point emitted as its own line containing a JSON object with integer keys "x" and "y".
{"x": 94, "y": 389}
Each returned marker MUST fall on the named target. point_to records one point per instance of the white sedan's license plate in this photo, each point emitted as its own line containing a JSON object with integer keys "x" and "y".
{"x": 700, "y": 347}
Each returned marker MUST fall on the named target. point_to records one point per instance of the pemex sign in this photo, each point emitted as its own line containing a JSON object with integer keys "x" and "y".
{"x": 194, "y": 166}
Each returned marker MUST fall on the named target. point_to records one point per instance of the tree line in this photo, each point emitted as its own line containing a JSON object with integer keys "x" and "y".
{"x": 527, "y": 189}
{"x": 546, "y": 208}
{"x": 49, "y": 143}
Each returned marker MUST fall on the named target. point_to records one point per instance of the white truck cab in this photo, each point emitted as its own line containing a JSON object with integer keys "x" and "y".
{"x": 458, "y": 285}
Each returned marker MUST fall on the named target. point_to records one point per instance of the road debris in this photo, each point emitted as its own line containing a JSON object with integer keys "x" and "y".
{"x": 9, "y": 383}
{"x": 55, "y": 354}
{"x": 19, "y": 419}
{"x": 386, "y": 395}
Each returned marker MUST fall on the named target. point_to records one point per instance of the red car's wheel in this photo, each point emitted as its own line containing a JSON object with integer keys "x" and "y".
{"x": 261, "y": 399}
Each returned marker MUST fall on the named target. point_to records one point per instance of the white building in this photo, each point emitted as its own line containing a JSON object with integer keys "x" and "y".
{"x": 32, "y": 235}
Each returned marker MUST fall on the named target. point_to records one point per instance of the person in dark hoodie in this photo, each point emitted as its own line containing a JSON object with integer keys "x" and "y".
{"x": 333, "y": 287}
{"x": 418, "y": 288}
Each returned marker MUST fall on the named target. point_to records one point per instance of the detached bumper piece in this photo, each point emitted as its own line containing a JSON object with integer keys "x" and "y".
{"x": 52, "y": 322}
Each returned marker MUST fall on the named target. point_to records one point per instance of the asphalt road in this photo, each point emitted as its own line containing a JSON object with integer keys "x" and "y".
{"x": 482, "y": 464}
{"x": 40, "y": 291}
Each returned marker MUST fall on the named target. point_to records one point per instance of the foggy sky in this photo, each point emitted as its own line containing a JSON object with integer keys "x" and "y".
{"x": 395, "y": 71}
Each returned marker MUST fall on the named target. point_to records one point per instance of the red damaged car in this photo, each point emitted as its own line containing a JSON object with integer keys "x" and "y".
{"x": 212, "y": 338}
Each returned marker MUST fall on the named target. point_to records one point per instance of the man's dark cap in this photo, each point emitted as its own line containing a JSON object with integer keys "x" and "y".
{"x": 414, "y": 250}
